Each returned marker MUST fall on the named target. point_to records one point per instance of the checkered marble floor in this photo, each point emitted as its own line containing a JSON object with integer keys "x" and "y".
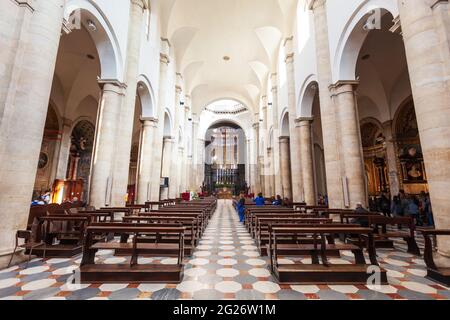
{"x": 226, "y": 265}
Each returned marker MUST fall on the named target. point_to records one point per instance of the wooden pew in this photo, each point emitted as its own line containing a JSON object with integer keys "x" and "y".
{"x": 191, "y": 224}
{"x": 383, "y": 235}
{"x": 252, "y": 216}
{"x": 263, "y": 224}
{"x": 435, "y": 273}
{"x": 90, "y": 272}
{"x": 70, "y": 239}
{"x": 325, "y": 273}
{"x": 198, "y": 215}
{"x": 294, "y": 245}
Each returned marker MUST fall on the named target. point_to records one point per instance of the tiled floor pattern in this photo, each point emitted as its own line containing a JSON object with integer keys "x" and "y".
{"x": 226, "y": 265}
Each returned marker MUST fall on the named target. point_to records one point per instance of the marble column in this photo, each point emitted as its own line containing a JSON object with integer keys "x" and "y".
{"x": 64, "y": 150}
{"x": 104, "y": 148}
{"x": 144, "y": 185}
{"x": 266, "y": 162}
{"x": 391, "y": 159}
{"x": 270, "y": 191}
{"x": 168, "y": 145}
{"x": 276, "y": 146}
{"x": 351, "y": 147}
{"x": 296, "y": 165}
{"x": 162, "y": 104}
{"x": 176, "y": 160}
{"x": 425, "y": 26}
{"x": 180, "y": 185}
{"x": 327, "y": 108}
{"x": 285, "y": 162}
{"x": 127, "y": 114}
{"x": 200, "y": 167}
{"x": 306, "y": 153}
{"x": 23, "y": 109}
{"x": 255, "y": 152}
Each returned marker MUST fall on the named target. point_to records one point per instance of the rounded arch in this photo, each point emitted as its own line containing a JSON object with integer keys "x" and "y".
{"x": 284, "y": 123}
{"x": 167, "y": 124}
{"x": 308, "y": 93}
{"x": 355, "y": 33}
{"x": 146, "y": 97}
{"x": 371, "y": 129}
{"x": 404, "y": 111}
{"x": 102, "y": 34}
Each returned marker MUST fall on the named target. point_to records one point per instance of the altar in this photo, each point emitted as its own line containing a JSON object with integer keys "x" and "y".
{"x": 225, "y": 193}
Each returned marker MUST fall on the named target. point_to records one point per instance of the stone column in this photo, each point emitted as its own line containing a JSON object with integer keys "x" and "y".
{"x": 23, "y": 110}
{"x": 306, "y": 153}
{"x": 270, "y": 191}
{"x": 276, "y": 147}
{"x": 127, "y": 114}
{"x": 180, "y": 186}
{"x": 266, "y": 161}
{"x": 145, "y": 182}
{"x": 64, "y": 150}
{"x": 425, "y": 26}
{"x": 104, "y": 148}
{"x": 162, "y": 104}
{"x": 391, "y": 158}
{"x": 255, "y": 152}
{"x": 168, "y": 145}
{"x": 176, "y": 161}
{"x": 296, "y": 166}
{"x": 351, "y": 147}
{"x": 285, "y": 162}
{"x": 327, "y": 108}
{"x": 200, "y": 168}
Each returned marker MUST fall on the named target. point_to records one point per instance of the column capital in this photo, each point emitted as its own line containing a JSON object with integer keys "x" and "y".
{"x": 343, "y": 86}
{"x": 114, "y": 82}
{"x": 168, "y": 139}
{"x": 314, "y": 4}
{"x": 256, "y": 125}
{"x": 304, "y": 121}
{"x": 284, "y": 139}
{"x": 149, "y": 121}
{"x": 178, "y": 89}
{"x": 139, "y": 3}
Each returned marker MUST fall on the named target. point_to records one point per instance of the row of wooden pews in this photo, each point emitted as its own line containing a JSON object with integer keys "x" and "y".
{"x": 167, "y": 229}
{"x": 321, "y": 234}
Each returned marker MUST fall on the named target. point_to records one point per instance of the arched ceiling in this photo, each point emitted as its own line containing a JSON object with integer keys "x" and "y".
{"x": 203, "y": 32}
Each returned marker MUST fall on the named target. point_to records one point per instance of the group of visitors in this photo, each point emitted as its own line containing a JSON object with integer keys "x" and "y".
{"x": 42, "y": 199}
{"x": 260, "y": 201}
{"x": 403, "y": 205}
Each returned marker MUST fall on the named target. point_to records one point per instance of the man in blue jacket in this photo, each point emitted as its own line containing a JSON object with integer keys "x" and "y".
{"x": 259, "y": 200}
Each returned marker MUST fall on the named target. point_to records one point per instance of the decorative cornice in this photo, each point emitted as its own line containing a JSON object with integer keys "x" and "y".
{"x": 28, "y": 4}
{"x": 343, "y": 86}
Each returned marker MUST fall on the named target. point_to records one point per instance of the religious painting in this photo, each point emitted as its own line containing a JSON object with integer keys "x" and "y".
{"x": 411, "y": 160}
{"x": 43, "y": 160}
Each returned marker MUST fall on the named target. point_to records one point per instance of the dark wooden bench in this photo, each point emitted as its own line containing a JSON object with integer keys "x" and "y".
{"x": 263, "y": 224}
{"x": 325, "y": 273}
{"x": 59, "y": 235}
{"x": 386, "y": 229}
{"x": 434, "y": 272}
{"x": 191, "y": 224}
{"x": 133, "y": 272}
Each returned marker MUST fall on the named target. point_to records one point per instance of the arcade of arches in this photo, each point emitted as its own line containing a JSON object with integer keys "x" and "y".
{"x": 320, "y": 102}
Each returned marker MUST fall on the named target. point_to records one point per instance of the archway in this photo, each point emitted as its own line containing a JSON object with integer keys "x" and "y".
{"x": 225, "y": 160}
{"x": 46, "y": 164}
{"x": 285, "y": 158}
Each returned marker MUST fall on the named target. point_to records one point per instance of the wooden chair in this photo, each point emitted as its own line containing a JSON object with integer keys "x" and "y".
{"x": 29, "y": 244}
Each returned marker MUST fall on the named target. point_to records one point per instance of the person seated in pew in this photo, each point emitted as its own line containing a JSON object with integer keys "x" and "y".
{"x": 241, "y": 207}
{"x": 361, "y": 221}
{"x": 259, "y": 200}
{"x": 278, "y": 201}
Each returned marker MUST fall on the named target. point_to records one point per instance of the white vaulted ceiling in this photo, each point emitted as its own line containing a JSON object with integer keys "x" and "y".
{"x": 202, "y": 32}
